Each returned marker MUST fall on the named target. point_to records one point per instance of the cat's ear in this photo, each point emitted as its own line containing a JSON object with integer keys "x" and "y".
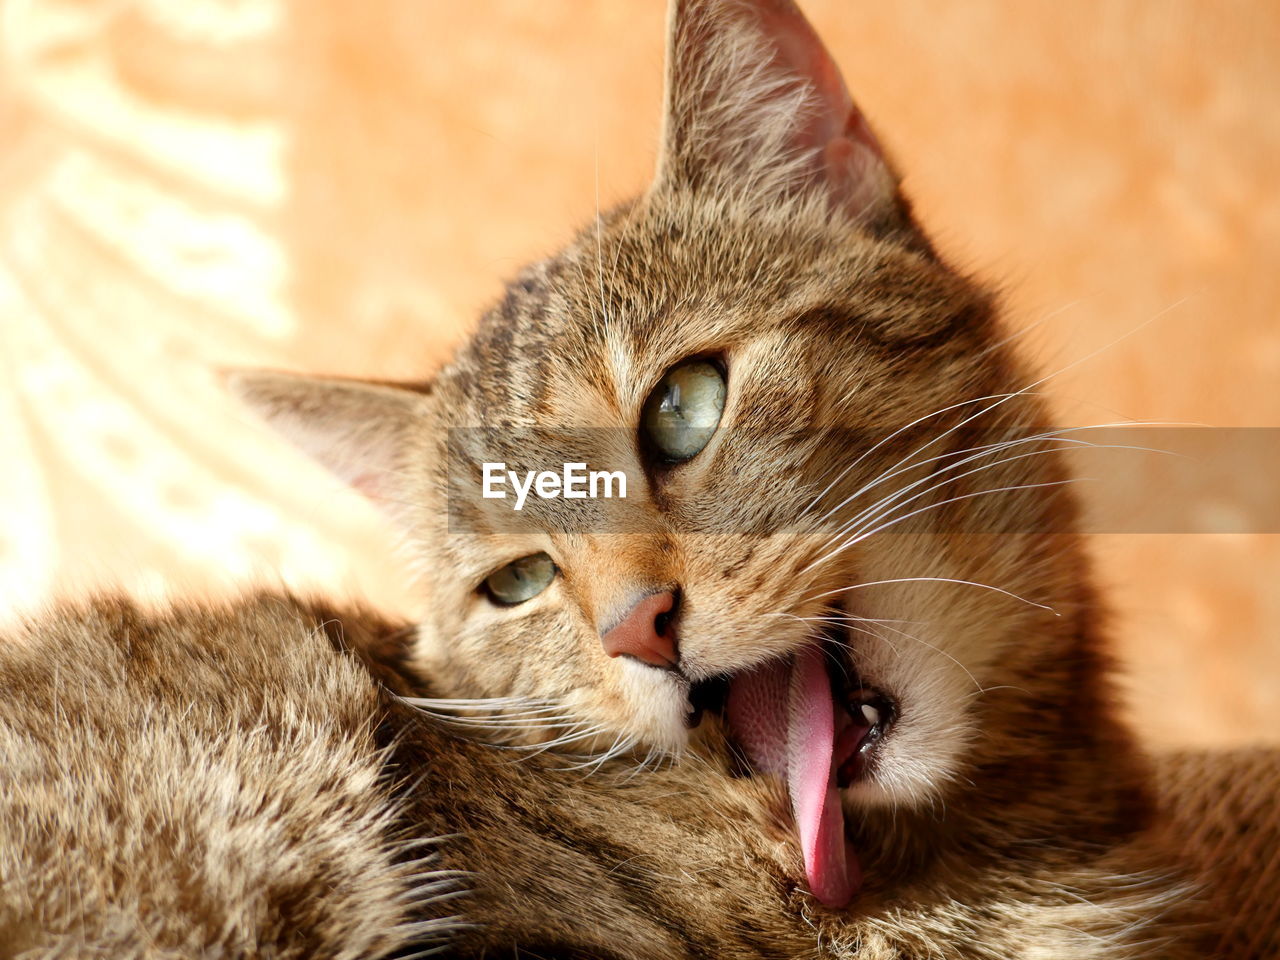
{"x": 359, "y": 430}
{"x": 755, "y": 108}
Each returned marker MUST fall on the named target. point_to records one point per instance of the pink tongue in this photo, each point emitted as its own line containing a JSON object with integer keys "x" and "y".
{"x": 782, "y": 715}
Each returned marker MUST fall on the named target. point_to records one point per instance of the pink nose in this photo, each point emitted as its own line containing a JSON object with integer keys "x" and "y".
{"x": 646, "y": 633}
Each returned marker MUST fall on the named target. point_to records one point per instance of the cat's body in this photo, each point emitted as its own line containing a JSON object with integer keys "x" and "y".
{"x": 232, "y": 781}
{"x": 842, "y": 601}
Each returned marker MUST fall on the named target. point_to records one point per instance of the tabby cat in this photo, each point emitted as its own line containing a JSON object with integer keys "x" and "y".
{"x": 846, "y": 544}
{"x": 830, "y": 673}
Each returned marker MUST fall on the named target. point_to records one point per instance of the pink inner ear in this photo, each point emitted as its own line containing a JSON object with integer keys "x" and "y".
{"x": 848, "y": 155}
{"x": 803, "y": 55}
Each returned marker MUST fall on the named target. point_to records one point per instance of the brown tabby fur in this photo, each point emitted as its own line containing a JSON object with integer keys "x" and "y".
{"x": 231, "y": 781}
{"x": 1005, "y": 813}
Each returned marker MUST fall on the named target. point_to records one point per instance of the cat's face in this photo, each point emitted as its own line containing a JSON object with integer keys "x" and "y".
{"x": 826, "y": 341}
{"x": 823, "y": 491}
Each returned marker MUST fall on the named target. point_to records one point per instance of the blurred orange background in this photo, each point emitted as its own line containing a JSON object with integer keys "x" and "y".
{"x": 191, "y": 184}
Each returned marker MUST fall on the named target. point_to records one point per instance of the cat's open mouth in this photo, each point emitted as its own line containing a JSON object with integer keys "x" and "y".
{"x": 801, "y": 718}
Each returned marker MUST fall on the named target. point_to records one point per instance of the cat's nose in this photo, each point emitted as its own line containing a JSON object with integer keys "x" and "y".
{"x": 647, "y": 632}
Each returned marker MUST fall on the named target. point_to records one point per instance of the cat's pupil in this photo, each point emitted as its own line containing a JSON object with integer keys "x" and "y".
{"x": 683, "y": 411}
{"x": 520, "y": 580}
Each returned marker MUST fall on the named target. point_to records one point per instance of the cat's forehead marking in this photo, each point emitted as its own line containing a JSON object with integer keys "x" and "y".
{"x": 620, "y": 361}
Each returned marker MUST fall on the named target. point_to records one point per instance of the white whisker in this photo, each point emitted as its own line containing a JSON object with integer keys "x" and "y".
{"x": 866, "y": 453}
{"x": 925, "y": 643}
{"x": 978, "y": 452}
{"x": 956, "y": 580}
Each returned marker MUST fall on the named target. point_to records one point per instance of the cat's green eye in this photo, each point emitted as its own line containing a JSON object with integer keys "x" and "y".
{"x": 520, "y": 580}
{"x": 683, "y": 411}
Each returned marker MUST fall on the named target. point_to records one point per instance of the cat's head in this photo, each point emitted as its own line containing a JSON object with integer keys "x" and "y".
{"x": 807, "y": 404}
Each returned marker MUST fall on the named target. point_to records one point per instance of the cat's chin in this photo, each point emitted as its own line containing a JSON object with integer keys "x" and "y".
{"x": 659, "y": 705}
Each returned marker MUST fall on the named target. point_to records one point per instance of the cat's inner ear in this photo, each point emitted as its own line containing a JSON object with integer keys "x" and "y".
{"x": 356, "y": 429}
{"x": 756, "y": 109}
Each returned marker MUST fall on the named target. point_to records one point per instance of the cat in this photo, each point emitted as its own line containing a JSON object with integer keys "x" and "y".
{"x": 847, "y": 558}
{"x": 810, "y": 624}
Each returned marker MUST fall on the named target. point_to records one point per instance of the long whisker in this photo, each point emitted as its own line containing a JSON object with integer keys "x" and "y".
{"x": 621, "y": 744}
{"x": 999, "y": 398}
{"x": 872, "y": 449}
{"x": 838, "y": 616}
{"x": 956, "y": 580}
{"x": 534, "y": 749}
{"x": 886, "y": 505}
{"x": 978, "y": 452}
{"x": 604, "y": 311}
{"x": 857, "y": 538}
{"x": 925, "y": 643}
{"x": 432, "y": 704}
{"x": 464, "y": 702}
{"x": 534, "y": 714}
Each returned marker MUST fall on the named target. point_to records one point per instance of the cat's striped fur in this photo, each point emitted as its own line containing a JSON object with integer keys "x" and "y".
{"x": 232, "y": 781}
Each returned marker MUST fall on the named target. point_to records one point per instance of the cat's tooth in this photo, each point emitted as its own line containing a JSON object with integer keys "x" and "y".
{"x": 871, "y": 713}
